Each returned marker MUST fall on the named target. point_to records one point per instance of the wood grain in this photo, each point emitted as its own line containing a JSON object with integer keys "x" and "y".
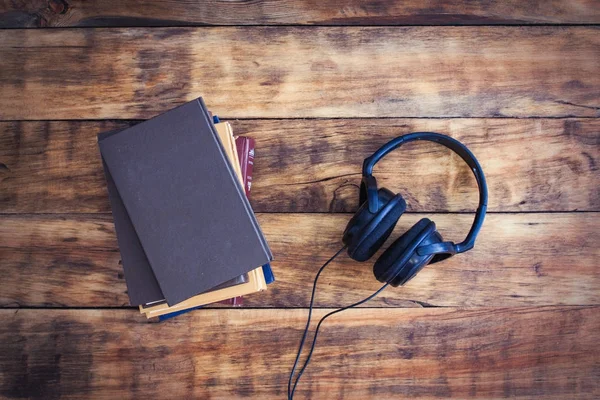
{"x": 519, "y": 259}
{"x": 522, "y": 353}
{"x": 63, "y": 13}
{"x": 301, "y": 72}
{"x": 517, "y": 317}
{"x": 530, "y": 164}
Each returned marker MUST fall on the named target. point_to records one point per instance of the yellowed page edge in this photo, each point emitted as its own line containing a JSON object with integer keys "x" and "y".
{"x": 255, "y": 284}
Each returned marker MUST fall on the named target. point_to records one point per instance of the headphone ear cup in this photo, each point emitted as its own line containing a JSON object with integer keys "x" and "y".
{"x": 373, "y": 241}
{"x": 400, "y": 262}
{"x": 366, "y": 232}
{"x": 359, "y": 220}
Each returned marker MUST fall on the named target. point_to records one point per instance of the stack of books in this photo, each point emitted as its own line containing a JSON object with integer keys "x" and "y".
{"x": 178, "y": 185}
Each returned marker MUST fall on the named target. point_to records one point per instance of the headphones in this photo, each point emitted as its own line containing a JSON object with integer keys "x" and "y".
{"x": 380, "y": 210}
{"x": 373, "y": 223}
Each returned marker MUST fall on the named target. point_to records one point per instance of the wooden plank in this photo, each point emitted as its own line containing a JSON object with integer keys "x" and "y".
{"x": 530, "y": 164}
{"x": 301, "y": 72}
{"x": 520, "y": 259}
{"x": 63, "y": 13}
{"x": 523, "y": 353}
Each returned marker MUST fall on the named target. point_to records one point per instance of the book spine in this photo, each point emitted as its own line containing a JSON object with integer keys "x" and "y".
{"x": 245, "y": 147}
{"x": 249, "y": 165}
{"x": 234, "y": 301}
{"x": 268, "y": 273}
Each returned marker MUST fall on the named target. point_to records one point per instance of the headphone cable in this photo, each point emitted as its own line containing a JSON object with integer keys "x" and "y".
{"x": 291, "y": 390}
{"x": 310, "y": 308}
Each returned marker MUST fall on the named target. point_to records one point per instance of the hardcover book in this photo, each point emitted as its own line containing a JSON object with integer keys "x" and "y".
{"x": 257, "y": 278}
{"x": 140, "y": 280}
{"x": 185, "y": 206}
{"x": 226, "y": 135}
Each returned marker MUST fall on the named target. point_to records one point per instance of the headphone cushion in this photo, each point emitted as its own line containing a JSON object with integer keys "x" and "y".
{"x": 373, "y": 241}
{"x": 355, "y": 226}
{"x": 400, "y": 262}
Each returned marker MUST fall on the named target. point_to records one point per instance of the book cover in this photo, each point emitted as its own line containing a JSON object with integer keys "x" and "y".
{"x": 174, "y": 169}
{"x": 245, "y": 147}
{"x": 142, "y": 286}
{"x": 226, "y": 136}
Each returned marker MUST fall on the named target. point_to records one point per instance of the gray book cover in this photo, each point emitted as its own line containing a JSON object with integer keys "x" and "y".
{"x": 142, "y": 286}
{"x": 178, "y": 196}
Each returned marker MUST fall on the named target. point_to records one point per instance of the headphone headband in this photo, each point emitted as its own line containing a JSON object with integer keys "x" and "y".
{"x": 369, "y": 185}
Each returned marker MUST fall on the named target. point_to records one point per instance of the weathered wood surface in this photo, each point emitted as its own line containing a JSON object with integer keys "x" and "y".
{"x": 63, "y": 13}
{"x": 301, "y": 72}
{"x": 314, "y": 165}
{"x": 519, "y": 259}
{"x": 523, "y": 353}
{"x": 516, "y": 317}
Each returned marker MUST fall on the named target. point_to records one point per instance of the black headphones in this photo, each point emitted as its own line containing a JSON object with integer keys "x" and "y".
{"x": 380, "y": 210}
{"x": 375, "y": 220}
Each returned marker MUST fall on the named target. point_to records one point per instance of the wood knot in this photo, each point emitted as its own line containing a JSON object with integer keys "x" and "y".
{"x": 537, "y": 267}
{"x": 58, "y": 6}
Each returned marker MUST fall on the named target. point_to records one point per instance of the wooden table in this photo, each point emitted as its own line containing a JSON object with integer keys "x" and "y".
{"x": 320, "y": 85}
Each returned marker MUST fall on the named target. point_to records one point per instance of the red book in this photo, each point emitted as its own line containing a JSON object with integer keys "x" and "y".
{"x": 245, "y": 149}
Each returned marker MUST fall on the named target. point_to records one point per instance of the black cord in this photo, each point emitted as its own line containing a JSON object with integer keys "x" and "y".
{"x": 310, "y": 308}
{"x": 312, "y": 347}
